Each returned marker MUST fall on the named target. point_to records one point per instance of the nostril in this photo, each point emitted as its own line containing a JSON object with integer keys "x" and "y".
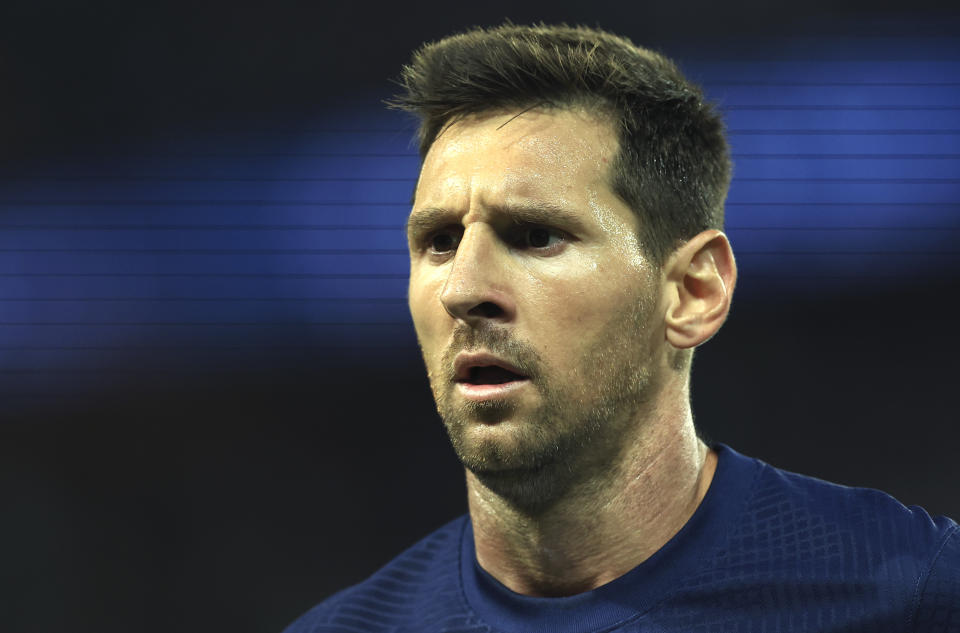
{"x": 487, "y": 309}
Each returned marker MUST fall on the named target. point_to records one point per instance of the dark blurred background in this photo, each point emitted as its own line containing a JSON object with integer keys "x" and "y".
{"x": 212, "y": 410}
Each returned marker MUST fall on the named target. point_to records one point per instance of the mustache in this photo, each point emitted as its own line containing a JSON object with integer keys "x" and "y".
{"x": 498, "y": 341}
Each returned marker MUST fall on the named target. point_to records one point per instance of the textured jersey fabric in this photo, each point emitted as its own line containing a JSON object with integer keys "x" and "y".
{"x": 767, "y": 550}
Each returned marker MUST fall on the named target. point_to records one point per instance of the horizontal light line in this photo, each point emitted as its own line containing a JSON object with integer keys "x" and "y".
{"x": 204, "y": 227}
{"x": 843, "y": 228}
{"x": 924, "y": 277}
{"x": 216, "y": 275}
{"x": 853, "y": 156}
{"x": 842, "y": 204}
{"x": 923, "y": 252}
{"x": 186, "y": 369}
{"x": 200, "y": 323}
{"x": 215, "y": 203}
{"x": 842, "y": 108}
{"x": 317, "y": 130}
{"x": 866, "y": 181}
{"x": 830, "y": 83}
{"x": 154, "y": 154}
{"x": 210, "y": 299}
{"x": 204, "y": 348}
{"x": 179, "y": 179}
{"x": 842, "y": 132}
{"x": 213, "y": 251}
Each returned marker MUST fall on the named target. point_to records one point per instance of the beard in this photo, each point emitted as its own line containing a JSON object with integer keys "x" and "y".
{"x": 573, "y": 436}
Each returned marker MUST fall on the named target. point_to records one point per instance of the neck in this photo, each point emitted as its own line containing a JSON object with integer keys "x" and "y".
{"x": 603, "y": 527}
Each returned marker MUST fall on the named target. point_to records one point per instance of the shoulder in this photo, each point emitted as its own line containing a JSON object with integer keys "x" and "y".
{"x": 817, "y": 507}
{"x": 938, "y": 595}
{"x": 897, "y": 558}
{"x": 398, "y": 593}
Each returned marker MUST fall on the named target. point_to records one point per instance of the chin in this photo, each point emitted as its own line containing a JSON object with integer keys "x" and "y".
{"x": 520, "y": 465}
{"x": 491, "y": 436}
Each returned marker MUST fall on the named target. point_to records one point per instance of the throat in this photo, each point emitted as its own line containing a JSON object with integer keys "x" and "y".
{"x": 585, "y": 541}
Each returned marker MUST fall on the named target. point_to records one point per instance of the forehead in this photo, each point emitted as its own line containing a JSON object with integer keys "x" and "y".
{"x": 537, "y": 153}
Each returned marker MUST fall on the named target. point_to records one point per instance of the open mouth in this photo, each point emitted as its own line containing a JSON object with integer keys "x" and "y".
{"x": 481, "y": 376}
{"x": 491, "y": 375}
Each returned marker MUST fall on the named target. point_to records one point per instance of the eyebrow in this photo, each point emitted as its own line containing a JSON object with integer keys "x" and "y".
{"x": 422, "y": 220}
{"x": 428, "y": 218}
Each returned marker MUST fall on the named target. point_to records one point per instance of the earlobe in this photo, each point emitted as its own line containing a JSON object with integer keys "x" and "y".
{"x": 700, "y": 276}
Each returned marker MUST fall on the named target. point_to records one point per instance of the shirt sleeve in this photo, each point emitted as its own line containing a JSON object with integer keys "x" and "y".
{"x": 938, "y": 606}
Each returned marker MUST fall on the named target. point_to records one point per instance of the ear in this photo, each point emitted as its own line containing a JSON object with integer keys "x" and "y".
{"x": 699, "y": 278}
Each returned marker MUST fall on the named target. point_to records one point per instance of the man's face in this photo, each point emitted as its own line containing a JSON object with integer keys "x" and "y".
{"x": 522, "y": 256}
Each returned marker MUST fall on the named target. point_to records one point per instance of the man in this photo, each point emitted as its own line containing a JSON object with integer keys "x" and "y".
{"x": 566, "y": 258}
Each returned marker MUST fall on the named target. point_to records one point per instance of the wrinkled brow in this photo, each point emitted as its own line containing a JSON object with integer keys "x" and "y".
{"x": 427, "y": 219}
{"x": 546, "y": 213}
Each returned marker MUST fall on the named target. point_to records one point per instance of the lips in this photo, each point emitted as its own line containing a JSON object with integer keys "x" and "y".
{"x": 485, "y": 369}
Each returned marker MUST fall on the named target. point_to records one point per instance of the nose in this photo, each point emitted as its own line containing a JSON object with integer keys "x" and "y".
{"x": 477, "y": 289}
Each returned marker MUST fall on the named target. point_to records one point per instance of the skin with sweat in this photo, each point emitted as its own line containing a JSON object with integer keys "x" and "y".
{"x": 519, "y": 249}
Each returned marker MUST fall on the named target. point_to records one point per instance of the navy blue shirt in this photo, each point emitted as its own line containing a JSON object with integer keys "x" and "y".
{"x": 766, "y": 550}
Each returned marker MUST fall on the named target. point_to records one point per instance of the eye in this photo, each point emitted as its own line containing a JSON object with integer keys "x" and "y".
{"x": 540, "y": 237}
{"x": 443, "y": 241}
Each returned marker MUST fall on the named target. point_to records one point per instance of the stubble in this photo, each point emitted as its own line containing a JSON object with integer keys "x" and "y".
{"x": 576, "y": 434}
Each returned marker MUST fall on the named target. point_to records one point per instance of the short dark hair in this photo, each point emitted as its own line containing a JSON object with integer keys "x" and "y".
{"x": 673, "y": 167}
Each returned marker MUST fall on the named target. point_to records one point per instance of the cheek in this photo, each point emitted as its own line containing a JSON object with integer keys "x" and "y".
{"x": 423, "y": 299}
{"x": 567, "y": 308}
{"x": 571, "y": 315}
